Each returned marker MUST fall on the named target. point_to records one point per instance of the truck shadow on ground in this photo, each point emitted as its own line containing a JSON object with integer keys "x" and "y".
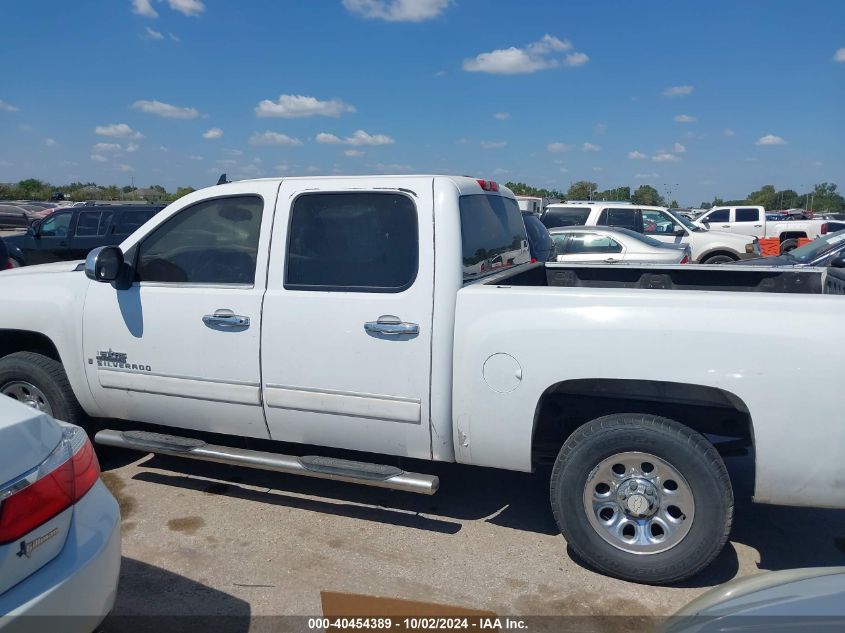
{"x": 181, "y": 604}
{"x": 784, "y": 537}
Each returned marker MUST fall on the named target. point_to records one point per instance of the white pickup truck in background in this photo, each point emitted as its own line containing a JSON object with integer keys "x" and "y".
{"x": 397, "y": 316}
{"x": 751, "y": 220}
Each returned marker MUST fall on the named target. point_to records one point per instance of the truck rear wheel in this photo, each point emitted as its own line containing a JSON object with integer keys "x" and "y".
{"x": 40, "y": 382}
{"x": 642, "y": 498}
{"x": 788, "y": 245}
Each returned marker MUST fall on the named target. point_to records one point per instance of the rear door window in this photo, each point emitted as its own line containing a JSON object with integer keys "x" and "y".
{"x": 747, "y": 215}
{"x": 92, "y": 223}
{"x": 628, "y": 218}
{"x": 352, "y": 242}
{"x": 493, "y": 234}
{"x": 565, "y": 216}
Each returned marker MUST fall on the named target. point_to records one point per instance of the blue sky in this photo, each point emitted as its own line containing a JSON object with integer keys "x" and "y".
{"x": 703, "y": 99}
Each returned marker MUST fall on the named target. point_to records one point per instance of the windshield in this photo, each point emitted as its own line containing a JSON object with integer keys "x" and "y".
{"x": 818, "y": 247}
{"x": 685, "y": 221}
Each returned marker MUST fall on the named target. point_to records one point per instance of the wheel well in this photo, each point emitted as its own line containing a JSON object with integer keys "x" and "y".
{"x": 567, "y": 405}
{"x": 791, "y": 235}
{"x": 12, "y": 341}
{"x": 714, "y": 253}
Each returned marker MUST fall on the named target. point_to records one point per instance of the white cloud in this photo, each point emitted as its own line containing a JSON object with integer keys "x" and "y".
{"x": 590, "y": 147}
{"x": 397, "y": 10}
{"x": 600, "y": 128}
{"x": 163, "y": 148}
{"x": 233, "y": 152}
{"x": 187, "y": 7}
{"x": 360, "y": 137}
{"x": 105, "y": 148}
{"x": 576, "y": 59}
{"x": 770, "y": 139}
{"x": 99, "y": 158}
{"x": 8, "y": 107}
{"x": 521, "y": 61}
{"x": 839, "y": 56}
{"x": 165, "y": 110}
{"x": 598, "y": 168}
{"x": 132, "y": 147}
{"x": 50, "y": 142}
{"x": 117, "y": 130}
{"x": 665, "y": 157}
{"x": 564, "y": 170}
{"x": 679, "y": 149}
{"x": 300, "y": 106}
{"x": 273, "y": 138}
{"x": 144, "y": 7}
{"x": 152, "y": 34}
{"x": 685, "y": 118}
{"x": 646, "y": 176}
{"x": 502, "y": 116}
{"x": 353, "y": 153}
{"x": 549, "y": 44}
{"x": 124, "y": 167}
{"x": 213, "y": 133}
{"x": 557, "y": 148}
{"x": 493, "y": 144}
{"x": 393, "y": 168}
{"x": 227, "y": 161}
{"x": 194, "y": 157}
{"x": 173, "y": 37}
{"x": 729, "y": 132}
{"x": 282, "y": 167}
{"x": 677, "y": 91}
{"x": 636, "y": 155}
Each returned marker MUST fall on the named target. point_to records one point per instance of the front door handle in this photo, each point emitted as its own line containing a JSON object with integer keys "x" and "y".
{"x": 226, "y": 319}
{"x": 726, "y": 226}
{"x": 392, "y": 326}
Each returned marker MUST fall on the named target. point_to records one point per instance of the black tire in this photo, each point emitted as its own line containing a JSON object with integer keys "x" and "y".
{"x": 686, "y": 451}
{"x": 49, "y": 377}
{"x": 788, "y": 245}
{"x": 719, "y": 259}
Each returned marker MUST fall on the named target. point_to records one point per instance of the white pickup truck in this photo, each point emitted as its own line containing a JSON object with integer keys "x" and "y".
{"x": 751, "y": 220}
{"x": 397, "y": 315}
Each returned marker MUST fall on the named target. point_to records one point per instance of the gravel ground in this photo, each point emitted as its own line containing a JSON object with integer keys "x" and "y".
{"x": 214, "y": 540}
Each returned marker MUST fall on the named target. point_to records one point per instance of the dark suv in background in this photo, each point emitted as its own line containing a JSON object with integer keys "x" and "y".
{"x": 71, "y": 233}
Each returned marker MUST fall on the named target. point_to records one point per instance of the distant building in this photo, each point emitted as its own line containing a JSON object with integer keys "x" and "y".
{"x": 148, "y": 194}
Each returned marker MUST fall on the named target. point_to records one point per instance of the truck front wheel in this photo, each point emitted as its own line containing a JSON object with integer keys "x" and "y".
{"x": 642, "y": 498}
{"x": 40, "y": 382}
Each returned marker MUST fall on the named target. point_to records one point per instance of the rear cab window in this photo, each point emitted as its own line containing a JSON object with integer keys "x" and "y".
{"x": 493, "y": 235}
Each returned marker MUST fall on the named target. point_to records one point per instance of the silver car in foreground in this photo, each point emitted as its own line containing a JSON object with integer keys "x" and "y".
{"x": 610, "y": 245}
{"x": 59, "y": 524}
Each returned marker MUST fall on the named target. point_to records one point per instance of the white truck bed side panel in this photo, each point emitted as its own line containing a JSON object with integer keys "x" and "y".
{"x": 559, "y": 334}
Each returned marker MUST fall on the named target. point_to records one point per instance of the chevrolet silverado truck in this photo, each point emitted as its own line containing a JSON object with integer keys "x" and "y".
{"x": 400, "y": 317}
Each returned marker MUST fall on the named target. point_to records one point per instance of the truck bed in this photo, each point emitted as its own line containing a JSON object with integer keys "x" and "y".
{"x": 682, "y": 277}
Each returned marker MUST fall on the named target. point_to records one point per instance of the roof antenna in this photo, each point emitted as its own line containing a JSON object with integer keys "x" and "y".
{"x": 222, "y": 180}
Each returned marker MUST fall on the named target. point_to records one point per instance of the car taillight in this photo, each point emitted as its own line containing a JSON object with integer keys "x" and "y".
{"x": 9, "y": 265}
{"x": 50, "y": 488}
{"x": 685, "y": 260}
{"x": 533, "y": 260}
{"x": 488, "y": 185}
{"x": 824, "y": 229}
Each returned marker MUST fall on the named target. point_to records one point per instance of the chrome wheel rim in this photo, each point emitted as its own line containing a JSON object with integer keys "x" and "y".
{"x": 639, "y": 503}
{"x": 28, "y": 394}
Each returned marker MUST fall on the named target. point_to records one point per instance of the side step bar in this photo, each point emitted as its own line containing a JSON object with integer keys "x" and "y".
{"x": 377, "y": 475}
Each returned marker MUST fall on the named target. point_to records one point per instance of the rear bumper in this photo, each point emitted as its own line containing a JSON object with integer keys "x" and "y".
{"x": 76, "y": 590}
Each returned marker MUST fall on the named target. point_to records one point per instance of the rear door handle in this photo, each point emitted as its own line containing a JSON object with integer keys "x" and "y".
{"x": 225, "y": 319}
{"x": 392, "y": 326}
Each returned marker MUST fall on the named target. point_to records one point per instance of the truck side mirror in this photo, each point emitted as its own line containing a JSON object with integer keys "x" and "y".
{"x": 838, "y": 262}
{"x": 104, "y": 263}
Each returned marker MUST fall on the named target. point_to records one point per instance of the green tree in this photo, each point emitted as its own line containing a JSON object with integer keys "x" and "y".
{"x": 766, "y": 197}
{"x": 825, "y": 197}
{"x": 31, "y": 188}
{"x": 647, "y": 195}
{"x": 582, "y": 190}
{"x": 160, "y": 189}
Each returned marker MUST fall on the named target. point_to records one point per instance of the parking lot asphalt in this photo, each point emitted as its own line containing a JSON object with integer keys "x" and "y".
{"x": 209, "y": 539}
